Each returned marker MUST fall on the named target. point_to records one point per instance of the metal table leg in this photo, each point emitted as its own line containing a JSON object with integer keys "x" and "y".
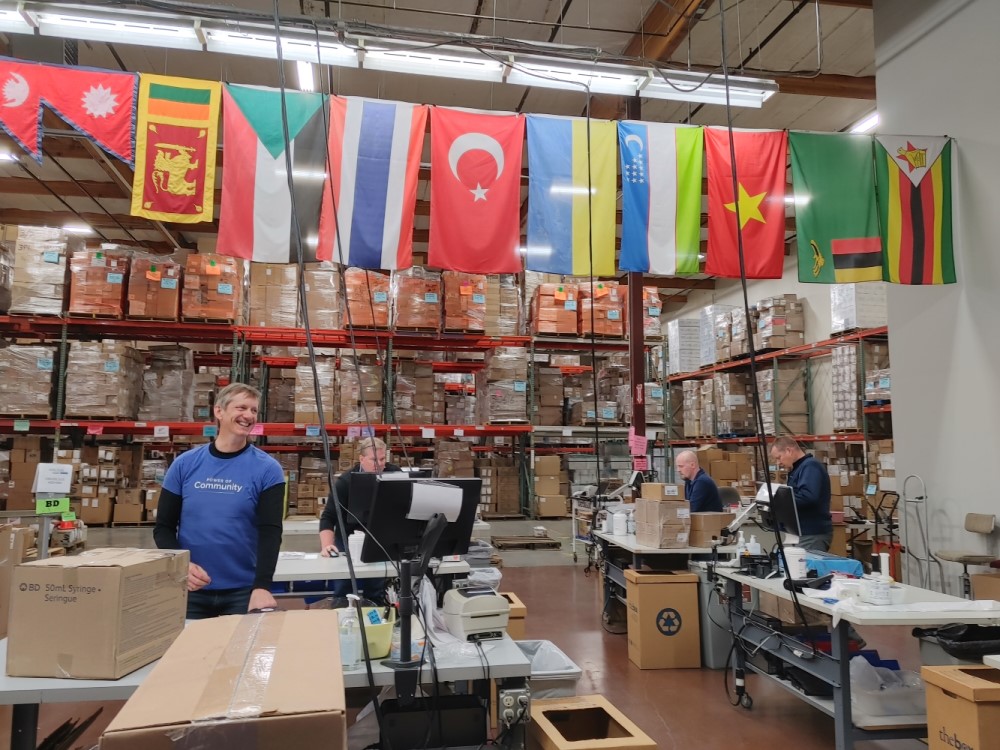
{"x": 843, "y": 718}
{"x": 24, "y": 727}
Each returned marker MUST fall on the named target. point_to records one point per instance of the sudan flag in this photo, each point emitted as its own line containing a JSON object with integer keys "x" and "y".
{"x": 836, "y": 223}
{"x": 175, "y": 145}
{"x": 913, "y": 176}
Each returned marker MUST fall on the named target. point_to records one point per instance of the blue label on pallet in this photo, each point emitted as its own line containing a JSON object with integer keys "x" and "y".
{"x": 380, "y": 297}
{"x": 111, "y": 365}
{"x": 614, "y": 315}
{"x": 608, "y": 413}
{"x": 168, "y": 283}
{"x": 209, "y": 430}
{"x": 654, "y": 312}
{"x": 312, "y": 430}
{"x": 431, "y": 297}
{"x": 656, "y": 393}
{"x": 45, "y": 363}
{"x": 225, "y": 288}
{"x": 570, "y": 304}
{"x": 591, "y": 413}
{"x": 115, "y": 278}
{"x": 520, "y": 386}
{"x": 479, "y": 299}
{"x": 50, "y": 256}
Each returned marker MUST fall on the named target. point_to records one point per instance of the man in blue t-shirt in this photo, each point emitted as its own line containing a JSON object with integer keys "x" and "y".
{"x": 699, "y": 488}
{"x": 224, "y": 502}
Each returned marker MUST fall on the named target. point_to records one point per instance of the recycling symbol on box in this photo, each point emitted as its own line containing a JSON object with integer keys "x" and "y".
{"x": 668, "y": 621}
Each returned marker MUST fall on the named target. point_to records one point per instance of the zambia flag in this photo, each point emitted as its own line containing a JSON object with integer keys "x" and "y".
{"x": 913, "y": 174}
{"x": 175, "y": 147}
{"x": 835, "y": 215}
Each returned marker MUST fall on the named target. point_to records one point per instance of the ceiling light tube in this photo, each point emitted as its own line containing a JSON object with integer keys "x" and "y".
{"x": 866, "y": 124}
{"x": 713, "y": 92}
{"x": 598, "y": 80}
{"x": 434, "y": 64}
{"x": 304, "y": 71}
{"x": 15, "y": 22}
{"x": 261, "y": 44}
{"x": 126, "y": 31}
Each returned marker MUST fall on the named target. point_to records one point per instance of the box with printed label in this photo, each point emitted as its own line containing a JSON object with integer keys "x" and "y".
{"x": 663, "y": 623}
{"x": 963, "y": 703}
{"x": 659, "y": 491}
{"x": 97, "y": 615}
{"x": 550, "y": 506}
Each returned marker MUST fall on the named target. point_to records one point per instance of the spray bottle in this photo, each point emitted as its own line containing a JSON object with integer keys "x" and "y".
{"x": 350, "y": 636}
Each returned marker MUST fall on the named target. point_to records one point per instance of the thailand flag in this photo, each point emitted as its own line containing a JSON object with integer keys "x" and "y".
{"x": 375, "y": 151}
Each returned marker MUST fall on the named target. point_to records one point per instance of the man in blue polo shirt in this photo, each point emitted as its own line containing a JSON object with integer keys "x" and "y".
{"x": 224, "y": 502}
{"x": 699, "y": 487}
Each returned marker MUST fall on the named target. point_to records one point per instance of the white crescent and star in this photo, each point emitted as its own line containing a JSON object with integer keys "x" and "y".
{"x": 475, "y": 142}
{"x": 633, "y": 138}
{"x": 15, "y": 90}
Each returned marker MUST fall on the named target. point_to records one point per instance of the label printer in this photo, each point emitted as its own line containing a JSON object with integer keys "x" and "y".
{"x": 476, "y": 613}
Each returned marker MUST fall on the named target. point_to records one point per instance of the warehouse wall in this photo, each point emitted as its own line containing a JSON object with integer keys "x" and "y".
{"x": 937, "y": 66}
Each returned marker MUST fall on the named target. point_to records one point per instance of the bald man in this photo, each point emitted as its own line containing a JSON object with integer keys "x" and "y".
{"x": 699, "y": 487}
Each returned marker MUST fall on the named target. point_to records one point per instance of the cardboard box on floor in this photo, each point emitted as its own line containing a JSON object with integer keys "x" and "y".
{"x": 98, "y": 615}
{"x": 963, "y": 707}
{"x": 517, "y": 617}
{"x": 986, "y": 586}
{"x": 583, "y": 722}
{"x": 663, "y": 624}
{"x": 215, "y": 688}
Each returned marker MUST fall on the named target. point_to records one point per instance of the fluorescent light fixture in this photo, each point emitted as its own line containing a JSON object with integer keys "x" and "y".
{"x": 743, "y": 92}
{"x": 78, "y": 229}
{"x": 104, "y": 28}
{"x": 433, "y": 64}
{"x": 262, "y": 44}
{"x": 7, "y": 156}
{"x": 538, "y": 251}
{"x": 601, "y": 80}
{"x": 798, "y": 199}
{"x": 16, "y": 22}
{"x": 307, "y": 81}
{"x": 866, "y": 124}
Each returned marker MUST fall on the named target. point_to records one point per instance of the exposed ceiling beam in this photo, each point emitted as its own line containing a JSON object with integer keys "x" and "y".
{"x": 828, "y": 84}
{"x": 99, "y": 220}
{"x": 665, "y": 28}
{"x": 672, "y": 282}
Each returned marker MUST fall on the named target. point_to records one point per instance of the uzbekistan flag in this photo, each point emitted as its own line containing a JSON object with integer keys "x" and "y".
{"x": 563, "y": 236}
{"x": 256, "y": 220}
{"x": 913, "y": 177}
{"x": 375, "y": 151}
{"x": 175, "y": 149}
{"x": 661, "y": 197}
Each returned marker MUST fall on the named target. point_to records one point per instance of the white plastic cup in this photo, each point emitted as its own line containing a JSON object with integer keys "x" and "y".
{"x": 620, "y": 524}
{"x": 795, "y": 558}
{"x": 354, "y": 544}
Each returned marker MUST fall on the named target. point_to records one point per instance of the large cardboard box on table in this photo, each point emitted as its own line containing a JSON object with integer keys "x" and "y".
{"x": 663, "y": 623}
{"x": 98, "y": 615}
{"x": 706, "y": 525}
{"x": 253, "y": 681}
{"x": 963, "y": 707}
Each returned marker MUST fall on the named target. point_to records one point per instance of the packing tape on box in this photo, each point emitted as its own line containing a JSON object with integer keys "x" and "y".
{"x": 239, "y": 681}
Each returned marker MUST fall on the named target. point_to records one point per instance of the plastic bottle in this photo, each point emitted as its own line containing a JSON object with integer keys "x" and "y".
{"x": 741, "y": 545}
{"x": 350, "y": 636}
{"x": 395, "y": 643}
{"x": 753, "y": 547}
{"x": 630, "y": 523}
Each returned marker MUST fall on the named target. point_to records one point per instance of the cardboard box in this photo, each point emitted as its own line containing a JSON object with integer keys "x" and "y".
{"x": 9, "y": 557}
{"x": 548, "y": 465}
{"x": 583, "y": 722}
{"x": 660, "y": 491}
{"x": 129, "y": 513}
{"x": 518, "y": 615}
{"x": 550, "y": 506}
{"x": 546, "y": 485}
{"x": 110, "y": 611}
{"x": 986, "y": 586}
{"x": 211, "y": 690}
{"x": 97, "y": 510}
{"x": 963, "y": 707}
{"x": 704, "y": 526}
{"x": 663, "y": 624}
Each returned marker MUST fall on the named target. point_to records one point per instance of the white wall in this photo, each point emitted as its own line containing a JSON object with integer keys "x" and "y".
{"x": 816, "y": 299}
{"x": 937, "y": 68}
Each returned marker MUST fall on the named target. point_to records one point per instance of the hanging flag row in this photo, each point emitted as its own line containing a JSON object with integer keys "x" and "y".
{"x": 867, "y": 208}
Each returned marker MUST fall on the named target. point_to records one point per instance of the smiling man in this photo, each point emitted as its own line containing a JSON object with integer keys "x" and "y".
{"x": 224, "y": 502}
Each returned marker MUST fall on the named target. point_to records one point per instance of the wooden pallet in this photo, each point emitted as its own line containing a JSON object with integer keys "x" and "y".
{"x": 496, "y": 561}
{"x": 151, "y": 318}
{"x": 89, "y": 418}
{"x": 140, "y": 524}
{"x": 218, "y": 321}
{"x": 94, "y": 316}
{"x": 502, "y": 516}
{"x": 525, "y": 542}
{"x": 32, "y": 554}
{"x": 417, "y": 329}
{"x": 26, "y": 416}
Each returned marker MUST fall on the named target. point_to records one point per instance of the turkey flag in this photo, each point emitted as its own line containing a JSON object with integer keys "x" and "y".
{"x": 98, "y": 103}
{"x": 475, "y": 191}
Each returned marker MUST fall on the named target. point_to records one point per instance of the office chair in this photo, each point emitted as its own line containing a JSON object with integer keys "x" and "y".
{"x": 976, "y": 523}
{"x": 729, "y": 496}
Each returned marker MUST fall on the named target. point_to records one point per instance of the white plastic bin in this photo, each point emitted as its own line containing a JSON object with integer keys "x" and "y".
{"x": 553, "y": 674}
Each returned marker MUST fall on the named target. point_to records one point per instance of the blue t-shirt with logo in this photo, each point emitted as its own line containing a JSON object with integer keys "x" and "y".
{"x": 219, "y": 511}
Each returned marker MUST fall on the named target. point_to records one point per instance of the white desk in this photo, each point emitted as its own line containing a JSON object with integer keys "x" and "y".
{"x": 992, "y": 660}
{"x": 296, "y": 526}
{"x": 834, "y": 668}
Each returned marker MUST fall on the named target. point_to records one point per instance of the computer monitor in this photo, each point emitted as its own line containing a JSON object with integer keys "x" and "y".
{"x": 780, "y": 512}
{"x": 392, "y": 536}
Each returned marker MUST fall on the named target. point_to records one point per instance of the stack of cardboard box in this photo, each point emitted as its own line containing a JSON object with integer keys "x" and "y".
{"x": 503, "y": 306}
{"x": 501, "y": 491}
{"x": 103, "y": 380}
{"x": 602, "y": 303}
{"x": 549, "y": 396}
{"x": 882, "y": 465}
{"x": 465, "y": 301}
{"x": 40, "y": 264}
{"x": 691, "y": 390}
{"x": 306, "y": 410}
{"x": 683, "y": 345}
{"x": 97, "y": 282}
{"x": 203, "y": 389}
{"x": 414, "y": 393}
{"x": 359, "y": 391}
{"x": 460, "y": 400}
{"x": 24, "y": 456}
{"x": 280, "y": 396}
{"x": 662, "y": 517}
{"x": 652, "y": 329}
{"x": 734, "y": 404}
{"x": 854, "y": 306}
{"x": 740, "y": 330}
{"x": 729, "y": 468}
{"x": 674, "y": 408}
{"x": 312, "y": 490}
{"x": 274, "y": 295}
{"x": 878, "y": 385}
{"x": 109, "y": 477}
{"x": 416, "y": 297}
{"x": 154, "y": 288}
{"x": 289, "y": 463}
{"x": 551, "y": 487}
{"x": 367, "y": 298}
{"x": 782, "y": 392}
{"x": 554, "y": 309}
{"x": 714, "y": 333}
{"x": 652, "y": 399}
{"x": 502, "y": 386}
{"x": 707, "y": 408}
{"x": 167, "y": 393}
{"x": 213, "y": 288}
{"x": 706, "y": 527}
{"x": 322, "y": 285}
{"x": 453, "y": 458}
{"x": 6, "y": 272}
{"x": 781, "y": 323}
{"x": 152, "y": 470}
{"x": 26, "y": 380}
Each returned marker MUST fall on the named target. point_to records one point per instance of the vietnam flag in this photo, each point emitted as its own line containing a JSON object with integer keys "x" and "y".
{"x": 760, "y": 172}
{"x": 475, "y": 191}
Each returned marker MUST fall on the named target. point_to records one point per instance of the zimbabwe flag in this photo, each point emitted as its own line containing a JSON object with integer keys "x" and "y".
{"x": 175, "y": 148}
{"x": 913, "y": 178}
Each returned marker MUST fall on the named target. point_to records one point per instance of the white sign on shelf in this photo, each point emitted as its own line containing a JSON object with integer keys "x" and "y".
{"x": 161, "y": 431}
{"x": 53, "y": 478}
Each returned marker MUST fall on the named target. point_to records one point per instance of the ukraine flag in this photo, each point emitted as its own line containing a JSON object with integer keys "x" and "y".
{"x": 571, "y": 210}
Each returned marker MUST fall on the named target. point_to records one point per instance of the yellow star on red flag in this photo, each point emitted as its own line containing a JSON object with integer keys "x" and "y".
{"x": 749, "y": 206}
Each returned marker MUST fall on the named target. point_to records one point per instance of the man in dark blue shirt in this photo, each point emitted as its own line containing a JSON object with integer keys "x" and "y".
{"x": 810, "y": 483}
{"x": 699, "y": 487}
